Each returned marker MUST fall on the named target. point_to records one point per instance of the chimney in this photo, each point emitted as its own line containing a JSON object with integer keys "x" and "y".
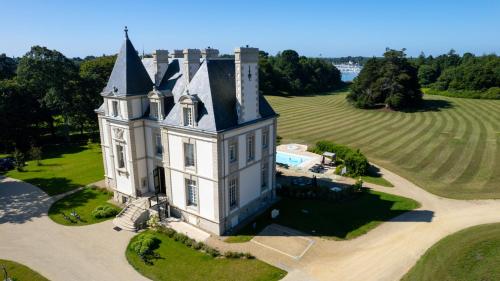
{"x": 209, "y": 53}
{"x": 177, "y": 54}
{"x": 191, "y": 62}
{"x": 160, "y": 61}
{"x": 246, "y": 61}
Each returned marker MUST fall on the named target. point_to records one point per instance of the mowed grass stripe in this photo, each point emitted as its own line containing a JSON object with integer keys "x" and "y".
{"x": 409, "y": 156}
{"x": 426, "y": 154}
{"x": 451, "y": 151}
{"x": 392, "y": 133}
{"x": 395, "y": 144}
{"x": 485, "y": 149}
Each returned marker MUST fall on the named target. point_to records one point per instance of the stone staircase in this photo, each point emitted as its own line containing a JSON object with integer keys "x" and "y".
{"x": 133, "y": 215}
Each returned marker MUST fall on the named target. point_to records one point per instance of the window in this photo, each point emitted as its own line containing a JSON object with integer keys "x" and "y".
{"x": 121, "y": 156}
{"x": 232, "y": 152}
{"x": 192, "y": 194}
{"x": 250, "y": 147}
{"x": 233, "y": 193}
{"x": 153, "y": 107}
{"x": 188, "y": 116}
{"x": 265, "y": 139}
{"x": 189, "y": 155}
{"x": 116, "y": 108}
{"x": 159, "y": 147}
{"x": 264, "y": 176}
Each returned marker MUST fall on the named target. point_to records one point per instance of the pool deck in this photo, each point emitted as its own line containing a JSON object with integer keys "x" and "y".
{"x": 301, "y": 150}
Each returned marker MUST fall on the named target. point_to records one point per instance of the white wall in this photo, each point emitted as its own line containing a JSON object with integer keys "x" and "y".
{"x": 249, "y": 184}
{"x": 178, "y": 191}
{"x": 204, "y": 158}
{"x": 206, "y": 190}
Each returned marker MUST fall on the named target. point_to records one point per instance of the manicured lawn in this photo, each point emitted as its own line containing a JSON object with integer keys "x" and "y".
{"x": 178, "y": 262}
{"x": 83, "y": 202}
{"x": 377, "y": 180}
{"x": 64, "y": 167}
{"x": 451, "y": 148}
{"x": 20, "y": 272}
{"x": 332, "y": 220}
{"x": 470, "y": 254}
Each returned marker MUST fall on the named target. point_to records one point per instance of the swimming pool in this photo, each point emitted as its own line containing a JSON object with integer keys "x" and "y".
{"x": 291, "y": 160}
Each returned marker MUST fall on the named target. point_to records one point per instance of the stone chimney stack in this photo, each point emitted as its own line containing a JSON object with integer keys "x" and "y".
{"x": 177, "y": 54}
{"x": 209, "y": 53}
{"x": 191, "y": 62}
{"x": 160, "y": 60}
{"x": 247, "y": 83}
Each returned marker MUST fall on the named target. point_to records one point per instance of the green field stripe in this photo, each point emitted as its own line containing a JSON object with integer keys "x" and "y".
{"x": 311, "y": 114}
{"x": 346, "y": 130}
{"x": 431, "y": 154}
{"x": 318, "y": 123}
{"x": 483, "y": 154}
{"x": 414, "y": 153}
{"x": 414, "y": 133}
{"x": 371, "y": 137}
{"x": 461, "y": 148}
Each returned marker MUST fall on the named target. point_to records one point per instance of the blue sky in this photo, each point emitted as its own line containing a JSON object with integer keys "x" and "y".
{"x": 330, "y": 28}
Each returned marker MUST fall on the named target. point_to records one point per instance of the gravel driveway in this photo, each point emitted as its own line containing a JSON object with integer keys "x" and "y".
{"x": 29, "y": 236}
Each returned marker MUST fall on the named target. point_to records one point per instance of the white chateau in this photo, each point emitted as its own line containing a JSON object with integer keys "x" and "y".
{"x": 192, "y": 127}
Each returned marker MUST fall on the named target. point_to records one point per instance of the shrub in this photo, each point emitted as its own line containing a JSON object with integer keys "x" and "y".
{"x": 36, "y": 154}
{"x": 104, "y": 211}
{"x": 357, "y": 164}
{"x": 358, "y": 185}
{"x": 212, "y": 252}
{"x": 248, "y": 256}
{"x": 198, "y": 246}
{"x": 233, "y": 255}
{"x": 145, "y": 244}
{"x": 154, "y": 222}
{"x": 180, "y": 237}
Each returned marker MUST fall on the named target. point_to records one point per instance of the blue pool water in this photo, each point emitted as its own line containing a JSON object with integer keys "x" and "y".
{"x": 291, "y": 160}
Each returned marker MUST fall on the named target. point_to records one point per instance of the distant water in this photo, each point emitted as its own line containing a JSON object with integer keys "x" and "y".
{"x": 348, "y": 76}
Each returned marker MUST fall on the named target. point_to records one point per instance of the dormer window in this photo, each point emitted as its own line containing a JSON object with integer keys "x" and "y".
{"x": 156, "y": 104}
{"x": 189, "y": 109}
{"x": 153, "y": 110}
{"x": 188, "y": 116}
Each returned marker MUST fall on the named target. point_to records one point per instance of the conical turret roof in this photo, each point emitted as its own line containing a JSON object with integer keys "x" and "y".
{"x": 129, "y": 77}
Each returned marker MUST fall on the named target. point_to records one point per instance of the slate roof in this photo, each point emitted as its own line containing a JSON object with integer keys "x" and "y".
{"x": 129, "y": 77}
{"x": 214, "y": 85}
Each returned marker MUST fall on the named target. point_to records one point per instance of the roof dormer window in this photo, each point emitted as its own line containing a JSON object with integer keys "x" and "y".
{"x": 156, "y": 102}
{"x": 153, "y": 110}
{"x": 189, "y": 109}
{"x": 188, "y": 116}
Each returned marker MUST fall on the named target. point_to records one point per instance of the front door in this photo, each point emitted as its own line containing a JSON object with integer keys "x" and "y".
{"x": 159, "y": 180}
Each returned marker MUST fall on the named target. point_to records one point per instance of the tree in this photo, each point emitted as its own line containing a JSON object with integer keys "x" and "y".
{"x": 427, "y": 74}
{"x": 50, "y": 79}
{"x": 7, "y": 67}
{"x": 391, "y": 80}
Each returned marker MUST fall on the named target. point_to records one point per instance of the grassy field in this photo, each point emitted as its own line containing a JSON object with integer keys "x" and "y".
{"x": 452, "y": 148}
{"x": 178, "y": 262}
{"x": 83, "y": 202}
{"x": 20, "y": 272}
{"x": 470, "y": 254}
{"x": 341, "y": 220}
{"x": 64, "y": 167}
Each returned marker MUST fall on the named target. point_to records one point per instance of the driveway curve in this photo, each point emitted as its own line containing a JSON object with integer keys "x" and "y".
{"x": 29, "y": 236}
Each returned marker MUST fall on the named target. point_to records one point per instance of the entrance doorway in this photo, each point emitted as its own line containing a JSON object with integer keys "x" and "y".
{"x": 159, "y": 180}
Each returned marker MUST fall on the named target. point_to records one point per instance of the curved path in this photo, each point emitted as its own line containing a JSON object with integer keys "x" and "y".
{"x": 391, "y": 249}
{"x": 96, "y": 252}
{"x": 29, "y": 236}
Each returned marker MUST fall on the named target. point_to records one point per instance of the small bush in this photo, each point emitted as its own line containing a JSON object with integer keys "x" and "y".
{"x": 104, "y": 211}
{"x": 145, "y": 244}
{"x": 233, "y": 255}
{"x": 154, "y": 222}
{"x": 198, "y": 246}
{"x": 168, "y": 231}
{"x": 212, "y": 252}
{"x": 248, "y": 256}
{"x": 180, "y": 237}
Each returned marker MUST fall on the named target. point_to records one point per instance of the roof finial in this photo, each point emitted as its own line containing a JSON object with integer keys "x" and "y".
{"x": 126, "y": 32}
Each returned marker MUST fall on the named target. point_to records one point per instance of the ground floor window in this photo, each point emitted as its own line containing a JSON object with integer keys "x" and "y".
{"x": 233, "y": 193}
{"x": 192, "y": 193}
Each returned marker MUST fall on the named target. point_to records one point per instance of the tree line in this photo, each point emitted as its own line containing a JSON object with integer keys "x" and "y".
{"x": 464, "y": 76}
{"x": 45, "y": 93}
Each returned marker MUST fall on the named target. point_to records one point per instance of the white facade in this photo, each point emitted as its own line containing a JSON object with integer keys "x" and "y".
{"x": 213, "y": 179}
